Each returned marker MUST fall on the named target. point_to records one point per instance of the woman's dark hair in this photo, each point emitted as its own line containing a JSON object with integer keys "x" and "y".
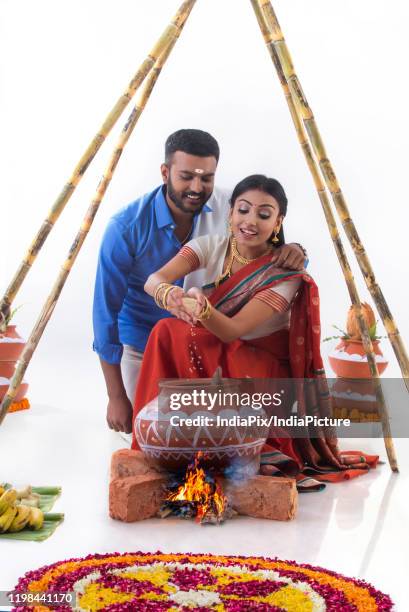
{"x": 193, "y": 142}
{"x": 267, "y": 185}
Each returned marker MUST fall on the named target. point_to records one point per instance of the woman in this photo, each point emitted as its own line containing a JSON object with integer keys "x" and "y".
{"x": 245, "y": 324}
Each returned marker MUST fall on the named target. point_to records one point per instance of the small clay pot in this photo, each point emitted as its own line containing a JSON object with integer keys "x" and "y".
{"x": 349, "y": 359}
{"x": 11, "y": 347}
{"x": 21, "y": 391}
{"x": 11, "y": 344}
{"x": 7, "y": 369}
{"x": 352, "y": 395}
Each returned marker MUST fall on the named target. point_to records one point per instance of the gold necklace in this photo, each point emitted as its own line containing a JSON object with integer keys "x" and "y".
{"x": 235, "y": 255}
{"x": 240, "y": 258}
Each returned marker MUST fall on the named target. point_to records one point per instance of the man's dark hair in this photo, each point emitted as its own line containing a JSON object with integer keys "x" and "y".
{"x": 193, "y": 142}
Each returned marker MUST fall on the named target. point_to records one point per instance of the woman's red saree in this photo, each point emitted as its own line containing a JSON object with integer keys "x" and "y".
{"x": 177, "y": 350}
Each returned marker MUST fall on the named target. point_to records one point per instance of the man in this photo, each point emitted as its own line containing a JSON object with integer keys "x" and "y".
{"x": 140, "y": 239}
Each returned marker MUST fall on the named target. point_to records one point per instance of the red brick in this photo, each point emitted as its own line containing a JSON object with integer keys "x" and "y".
{"x": 263, "y": 497}
{"x": 126, "y": 462}
{"x": 135, "y": 498}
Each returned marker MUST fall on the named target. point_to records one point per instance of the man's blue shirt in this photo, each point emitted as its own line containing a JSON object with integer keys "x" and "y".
{"x": 139, "y": 240}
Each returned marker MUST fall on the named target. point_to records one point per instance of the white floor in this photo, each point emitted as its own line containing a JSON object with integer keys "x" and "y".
{"x": 359, "y": 528}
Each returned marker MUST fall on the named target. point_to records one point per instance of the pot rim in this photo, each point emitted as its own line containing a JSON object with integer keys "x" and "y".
{"x": 9, "y": 328}
{"x": 198, "y": 382}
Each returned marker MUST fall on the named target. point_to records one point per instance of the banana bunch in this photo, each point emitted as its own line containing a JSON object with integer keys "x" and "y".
{"x": 27, "y": 497}
{"x": 14, "y": 515}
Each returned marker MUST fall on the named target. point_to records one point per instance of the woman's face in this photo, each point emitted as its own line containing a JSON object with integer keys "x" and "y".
{"x": 254, "y": 217}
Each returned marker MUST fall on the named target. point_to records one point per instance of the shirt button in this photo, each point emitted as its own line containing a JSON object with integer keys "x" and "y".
{"x": 172, "y": 227}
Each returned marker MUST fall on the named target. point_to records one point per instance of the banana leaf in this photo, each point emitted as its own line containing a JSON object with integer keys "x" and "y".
{"x": 48, "y": 497}
{"x": 51, "y": 522}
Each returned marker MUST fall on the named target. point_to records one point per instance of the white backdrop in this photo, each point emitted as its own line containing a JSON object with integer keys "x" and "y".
{"x": 64, "y": 64}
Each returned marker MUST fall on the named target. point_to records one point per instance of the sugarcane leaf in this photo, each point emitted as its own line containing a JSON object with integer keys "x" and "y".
{"x": 344, "y": 333}
{"x": 8, "y": 318}
{"x": 372, "y": 331}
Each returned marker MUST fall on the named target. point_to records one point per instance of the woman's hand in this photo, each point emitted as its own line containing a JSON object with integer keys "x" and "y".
{"x": 174, "y": 298}
{"x": 176, "y": 307}
{"x": 199, "y": 296}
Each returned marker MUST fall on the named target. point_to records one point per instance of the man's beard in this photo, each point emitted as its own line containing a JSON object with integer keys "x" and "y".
{"x": 179, "y": 203}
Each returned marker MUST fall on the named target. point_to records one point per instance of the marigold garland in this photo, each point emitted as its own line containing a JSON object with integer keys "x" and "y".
{"x": 157, "y": 582}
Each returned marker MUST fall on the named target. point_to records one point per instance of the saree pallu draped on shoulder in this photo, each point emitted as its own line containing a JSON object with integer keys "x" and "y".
{"x": 177, "y": 350}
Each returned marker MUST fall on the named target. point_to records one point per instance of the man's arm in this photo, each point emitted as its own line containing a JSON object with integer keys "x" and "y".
{"x": 119, "y": 409}
{"x": 114, "y": 266}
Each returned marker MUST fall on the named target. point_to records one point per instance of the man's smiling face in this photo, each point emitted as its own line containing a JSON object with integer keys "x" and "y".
{"x": 189, "y": 181}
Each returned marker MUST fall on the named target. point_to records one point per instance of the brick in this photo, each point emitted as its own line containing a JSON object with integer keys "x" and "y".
{"x": 265, "y": 497}
{"x": 135, "y": 498}
{"x": 127, "y": 462}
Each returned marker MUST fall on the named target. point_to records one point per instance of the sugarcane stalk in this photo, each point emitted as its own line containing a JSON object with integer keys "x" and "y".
{"x": 284, "y": 58}
{"x": 171, "y": 33}
{"x": 334, "y": 233}
{"x": 79, "y": 239}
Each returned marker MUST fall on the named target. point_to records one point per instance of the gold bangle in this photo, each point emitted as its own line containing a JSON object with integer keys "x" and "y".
{"x": 159, "y": 288}
{"x": 160, "y": 294}
{"x": 206, "y": 311}
{"x": 162, "y": 297}
{"x": 166, "y": 295}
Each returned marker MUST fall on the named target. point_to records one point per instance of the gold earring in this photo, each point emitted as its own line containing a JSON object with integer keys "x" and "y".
{"x": 230, "y": 228}
{"x": 275, "y": 238}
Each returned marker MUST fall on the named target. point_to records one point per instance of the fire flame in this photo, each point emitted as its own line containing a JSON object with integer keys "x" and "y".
{"x": 207, "y": 496}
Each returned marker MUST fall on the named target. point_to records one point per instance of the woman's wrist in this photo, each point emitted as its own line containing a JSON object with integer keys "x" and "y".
{"x": 161, "y": 294}
{"x": 158, "y": 293}
{"x": 206, "y": 311}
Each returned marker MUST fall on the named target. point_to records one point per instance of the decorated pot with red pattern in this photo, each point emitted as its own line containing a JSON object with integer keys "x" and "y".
{"x": 171, "y": 433}
{"x": 349, "y": 360}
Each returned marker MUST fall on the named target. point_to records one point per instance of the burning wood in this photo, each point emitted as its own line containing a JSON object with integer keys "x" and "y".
{"x": 199, "y": 496}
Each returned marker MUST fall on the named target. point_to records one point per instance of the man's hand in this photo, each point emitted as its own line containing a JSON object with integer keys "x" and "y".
{"x": 119, "y": 409}
{"x": 119, "y": 414}
{"x": 289, "y": 256}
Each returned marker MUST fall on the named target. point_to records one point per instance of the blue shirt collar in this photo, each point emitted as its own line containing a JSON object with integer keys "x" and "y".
{"x": 162, "y": 212}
